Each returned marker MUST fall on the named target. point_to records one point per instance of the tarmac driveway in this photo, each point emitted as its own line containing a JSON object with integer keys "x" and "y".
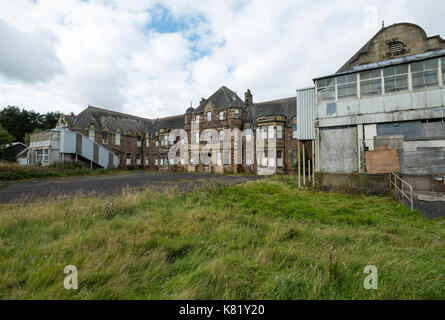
{"x": 110, "y": 184}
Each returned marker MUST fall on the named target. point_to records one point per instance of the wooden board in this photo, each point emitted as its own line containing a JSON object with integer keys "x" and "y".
{"x": 382, "y": 161}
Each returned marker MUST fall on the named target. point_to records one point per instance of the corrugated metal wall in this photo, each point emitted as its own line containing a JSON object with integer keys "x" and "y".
{"x": 306, "y": 113}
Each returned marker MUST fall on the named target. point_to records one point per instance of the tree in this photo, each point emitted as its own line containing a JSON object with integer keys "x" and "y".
{"x": 19, "y": 122}
{"x": 5, "y": 139}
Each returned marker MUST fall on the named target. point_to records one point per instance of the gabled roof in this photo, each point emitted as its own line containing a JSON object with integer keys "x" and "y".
{"x": 223, "y": 98}
{"x": 172, "y": 122}
{"x": 413, "y": 32}
{"x": 113, "y": 120}
{"x": 282, "y": 107}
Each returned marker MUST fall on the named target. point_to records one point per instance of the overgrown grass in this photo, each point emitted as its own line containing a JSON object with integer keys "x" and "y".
{"x": 258, "y": 240}
{"x": 13, "y": 171}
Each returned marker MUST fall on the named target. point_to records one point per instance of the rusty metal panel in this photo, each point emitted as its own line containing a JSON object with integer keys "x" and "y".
{"x": 382, "y": 161}
{"x": 306, "y": 114}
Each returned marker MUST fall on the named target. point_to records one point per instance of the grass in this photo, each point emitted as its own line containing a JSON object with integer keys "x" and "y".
{"x": 259, "y": 240}
{"x": 14, "y": 172}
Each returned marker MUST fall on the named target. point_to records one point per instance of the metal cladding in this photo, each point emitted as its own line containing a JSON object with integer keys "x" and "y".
{"x": 306, "y": 114}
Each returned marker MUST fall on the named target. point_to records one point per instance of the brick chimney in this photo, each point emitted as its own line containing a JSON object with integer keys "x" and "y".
{"x": 248, "y": 98}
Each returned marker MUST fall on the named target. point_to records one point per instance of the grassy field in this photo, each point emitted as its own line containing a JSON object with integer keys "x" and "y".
{"x": 258, "y": 240}
{"x": 14, "y": 172}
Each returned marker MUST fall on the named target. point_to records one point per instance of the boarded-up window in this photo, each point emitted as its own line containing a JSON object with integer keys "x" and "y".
{"x": 382, "y": 161}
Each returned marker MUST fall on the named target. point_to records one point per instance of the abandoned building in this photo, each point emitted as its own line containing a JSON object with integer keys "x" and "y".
{"x": 383, "y": 110}
{"x": 140, "y": 142}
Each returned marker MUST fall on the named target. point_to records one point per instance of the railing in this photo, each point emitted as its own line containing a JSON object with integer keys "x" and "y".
{"x": 398, "y": 184}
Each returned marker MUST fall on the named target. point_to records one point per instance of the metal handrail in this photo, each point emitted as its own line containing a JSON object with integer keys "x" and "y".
{"x": 401, "y": 188}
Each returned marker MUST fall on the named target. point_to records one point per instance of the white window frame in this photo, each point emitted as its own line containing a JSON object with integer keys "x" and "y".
{"x": 209, "y": 116}
{"x": 117, "y": 139}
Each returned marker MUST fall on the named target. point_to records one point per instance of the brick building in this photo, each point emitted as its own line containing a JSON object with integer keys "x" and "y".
{"x": 141, "y": 142}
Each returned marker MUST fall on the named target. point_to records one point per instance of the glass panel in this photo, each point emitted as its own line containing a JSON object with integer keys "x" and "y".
{"x": 347, "y": 90}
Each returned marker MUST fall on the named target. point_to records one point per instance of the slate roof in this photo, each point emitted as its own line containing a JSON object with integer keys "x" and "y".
{"x": 111, "y": 119}
{"x": 285, "y": 107}
{"x": 221, "y": 99}
{"x": 173, "y": 122}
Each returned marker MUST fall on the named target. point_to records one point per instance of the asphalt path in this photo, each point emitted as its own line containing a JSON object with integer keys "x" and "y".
{"x": 110, "y": 184}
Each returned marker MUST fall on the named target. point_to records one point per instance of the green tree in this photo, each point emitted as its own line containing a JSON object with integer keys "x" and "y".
{"x": 5, "y": 139}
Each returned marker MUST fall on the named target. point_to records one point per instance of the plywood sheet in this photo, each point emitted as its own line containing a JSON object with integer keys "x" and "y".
{"x": 382, "y": 161}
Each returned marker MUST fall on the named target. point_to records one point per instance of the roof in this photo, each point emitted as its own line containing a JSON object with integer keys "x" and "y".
{"x": 435, "y": 42}
{"x": 223, "y": 98}
{"x": 173, "y": 122}
{"x": 390, "y": 62}
{"x": 285, "y": 107}
{"x": 113, "y": 120}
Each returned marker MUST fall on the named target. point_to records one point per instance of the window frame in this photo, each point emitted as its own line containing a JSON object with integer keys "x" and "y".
{"x": 423, "y": 72}
{"x": 396, "y": 76}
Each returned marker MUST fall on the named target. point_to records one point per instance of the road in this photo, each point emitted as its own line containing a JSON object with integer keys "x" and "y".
{"x": 109, "y": 184}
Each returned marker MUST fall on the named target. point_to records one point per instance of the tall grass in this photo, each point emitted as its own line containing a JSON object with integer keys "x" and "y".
{"x": 13, "y": 171}
{"x": 258, "y": 240}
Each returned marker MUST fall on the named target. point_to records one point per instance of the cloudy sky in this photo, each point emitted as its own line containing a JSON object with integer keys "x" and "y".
{"x": 154, "y": 58}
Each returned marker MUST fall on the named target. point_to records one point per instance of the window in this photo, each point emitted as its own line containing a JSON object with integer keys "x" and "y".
{"x": 139, "y": 141}
{"x": 279, "y": 158}
{"x": 248, "y": 158}
{"x": 156, "y": 143}
{"x": 227, "y": 157}
{"x": 156, "y": 162}
{"x": 162, "y": 161}
{"x": 117, "y": 139}
{"x": 294, "y": 131}
{"x": 236, "y": 113}
{"x": 443, "y": 70}
{"x": 128, "y": 158}
{"x": 396, "y": 78}
{"x": 347, "y": 86}
{"x": 424, "y": 74}
{"x": 171, "y": 139}
{"x": 249, "y": 135}
{"x": 271, "y": 132}
{"x": 209, "y": 116}
{"x": 138, "y": 159}
{"x": 370, "y": 83}
{"x": 105, "y": 137}
{"x": 326, "y": 89}
{"x": 221, "y": 135}
{"x": 279, "y": 132}
{"x": 91, "y": 134}
{"x": 221, "y": 115}
{"x": 146, "y": 159}
{"x": 294, "y": 158}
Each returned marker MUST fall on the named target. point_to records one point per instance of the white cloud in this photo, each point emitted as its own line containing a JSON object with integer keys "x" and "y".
{"x": 111, "y": 53}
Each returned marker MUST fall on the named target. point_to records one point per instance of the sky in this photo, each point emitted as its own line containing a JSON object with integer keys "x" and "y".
{"x": 156, "y": 58}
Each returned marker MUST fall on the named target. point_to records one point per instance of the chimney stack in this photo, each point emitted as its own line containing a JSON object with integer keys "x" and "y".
{"x": 248, "y": 98}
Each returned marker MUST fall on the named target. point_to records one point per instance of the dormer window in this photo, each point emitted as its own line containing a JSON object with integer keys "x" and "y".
{"x": 236, "y": 113}
{"x": 105, "y": 137}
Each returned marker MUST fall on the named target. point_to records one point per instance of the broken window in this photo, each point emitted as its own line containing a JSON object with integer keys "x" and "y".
{"x": 294, "y": 131}
{"x": 396, "y": 78}
{"x": 370, "y": 83}
{"x": 424, "y": 74}
{"x": 326, "y": 89}
{"x": 105, "y": 137}
{"x": 347, "y": 86}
